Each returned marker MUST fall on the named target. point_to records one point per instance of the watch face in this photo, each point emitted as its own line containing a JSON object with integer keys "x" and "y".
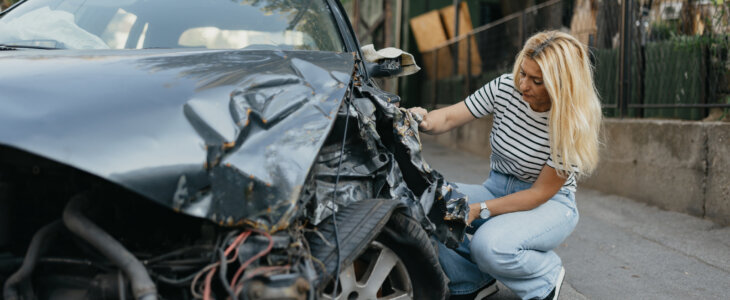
{"x": 484, "y": 213}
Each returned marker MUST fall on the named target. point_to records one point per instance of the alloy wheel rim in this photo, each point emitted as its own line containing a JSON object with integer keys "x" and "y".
{"x": 377, "y": 274}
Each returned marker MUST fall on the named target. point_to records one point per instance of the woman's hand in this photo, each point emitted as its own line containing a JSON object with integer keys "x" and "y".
{"x": 421, "y": 115}
{"x": 443, "y": 119}
{"x": 474, "y": 210}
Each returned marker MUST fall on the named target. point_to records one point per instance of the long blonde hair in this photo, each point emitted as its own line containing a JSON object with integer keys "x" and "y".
{"x": 575, "y": 113}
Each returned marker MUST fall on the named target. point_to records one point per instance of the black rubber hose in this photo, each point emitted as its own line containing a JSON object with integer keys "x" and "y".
{"x": 37, "y": 245}
{"x": 142, "y": 286}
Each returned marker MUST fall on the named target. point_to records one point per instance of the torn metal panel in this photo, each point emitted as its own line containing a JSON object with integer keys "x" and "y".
{"x": 390, "y": 132}
{"x": 457, "y": 208}
{"x": 406, "y": 135}
{"x": 282, "y": 120}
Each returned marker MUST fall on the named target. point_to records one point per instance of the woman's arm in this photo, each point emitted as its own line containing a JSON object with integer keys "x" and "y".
{"x": 443, "y": 119}
{"x": 547, "y": 185}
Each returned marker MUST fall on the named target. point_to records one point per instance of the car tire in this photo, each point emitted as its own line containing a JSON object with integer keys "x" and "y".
{"x": 403, "y": 250}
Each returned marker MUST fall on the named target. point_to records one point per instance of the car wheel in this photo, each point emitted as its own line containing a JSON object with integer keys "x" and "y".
{"x": 378, "y": 273}
{"x": 401, "y": 263}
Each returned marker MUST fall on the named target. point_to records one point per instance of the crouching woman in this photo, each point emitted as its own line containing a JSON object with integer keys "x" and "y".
{"x": 545, "y": 134}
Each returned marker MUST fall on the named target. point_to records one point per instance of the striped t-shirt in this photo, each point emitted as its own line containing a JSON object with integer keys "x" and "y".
{"x": 519, "y": 138}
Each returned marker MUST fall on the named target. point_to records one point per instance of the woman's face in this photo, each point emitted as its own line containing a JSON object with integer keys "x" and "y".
{"x": 532, "y": 86}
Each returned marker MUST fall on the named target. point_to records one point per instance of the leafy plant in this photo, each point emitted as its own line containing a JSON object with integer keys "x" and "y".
{"x": 663, "y": 30}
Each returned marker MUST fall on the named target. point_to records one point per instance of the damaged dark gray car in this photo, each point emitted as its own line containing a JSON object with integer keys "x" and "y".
{"x": 209, "y": 149}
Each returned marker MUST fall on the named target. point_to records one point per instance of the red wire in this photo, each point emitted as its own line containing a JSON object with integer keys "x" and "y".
{"x": 240, "y": 239}
{"x": 208, "y": 281}
{"x": 234, "y": 246}
{"x": 250, "y": 260}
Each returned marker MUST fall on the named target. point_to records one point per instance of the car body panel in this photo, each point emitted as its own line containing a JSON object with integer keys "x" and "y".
{"x": 225, "y": 135}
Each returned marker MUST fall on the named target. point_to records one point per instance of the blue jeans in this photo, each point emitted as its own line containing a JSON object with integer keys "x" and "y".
{"x": 514, "y": 248}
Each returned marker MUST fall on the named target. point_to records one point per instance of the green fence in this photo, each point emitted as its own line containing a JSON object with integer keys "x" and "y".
{"x": 675, "y": 73}
{"x": 682, "y": 71}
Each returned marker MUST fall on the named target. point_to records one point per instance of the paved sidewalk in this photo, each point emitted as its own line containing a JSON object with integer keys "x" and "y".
{"x": 622, "y": 249}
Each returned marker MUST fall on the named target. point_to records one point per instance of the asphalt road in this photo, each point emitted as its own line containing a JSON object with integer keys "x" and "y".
{"x": 622, "y": 249}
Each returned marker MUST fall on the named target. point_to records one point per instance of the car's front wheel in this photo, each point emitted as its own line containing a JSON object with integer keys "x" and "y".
{"x": 401, "y": 263}
{"x": 376, "y": 274}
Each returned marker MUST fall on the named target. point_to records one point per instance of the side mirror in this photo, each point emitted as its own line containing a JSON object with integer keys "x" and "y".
{"x": 386, "y": 67}
{"x": 388, "y": 62}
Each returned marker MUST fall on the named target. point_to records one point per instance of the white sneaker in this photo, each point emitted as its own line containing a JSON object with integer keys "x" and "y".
{"x": 491, "y": 289}
{"x": 558, "y": 284}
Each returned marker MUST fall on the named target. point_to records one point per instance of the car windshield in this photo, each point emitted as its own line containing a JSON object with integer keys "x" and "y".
{"x": 142, "y": 24}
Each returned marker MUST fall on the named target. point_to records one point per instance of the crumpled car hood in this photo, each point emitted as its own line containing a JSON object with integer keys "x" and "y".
{"x": 225, "y": 135}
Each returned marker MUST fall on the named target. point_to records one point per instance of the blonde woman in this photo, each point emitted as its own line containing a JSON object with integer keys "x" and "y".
{"x": 545, "y": 134}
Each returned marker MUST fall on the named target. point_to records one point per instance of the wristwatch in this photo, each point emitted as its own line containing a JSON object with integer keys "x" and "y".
{"x": 484, "y": 212}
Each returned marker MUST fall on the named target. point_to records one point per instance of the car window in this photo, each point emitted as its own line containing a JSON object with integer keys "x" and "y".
{"x": 138, "y": 24}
